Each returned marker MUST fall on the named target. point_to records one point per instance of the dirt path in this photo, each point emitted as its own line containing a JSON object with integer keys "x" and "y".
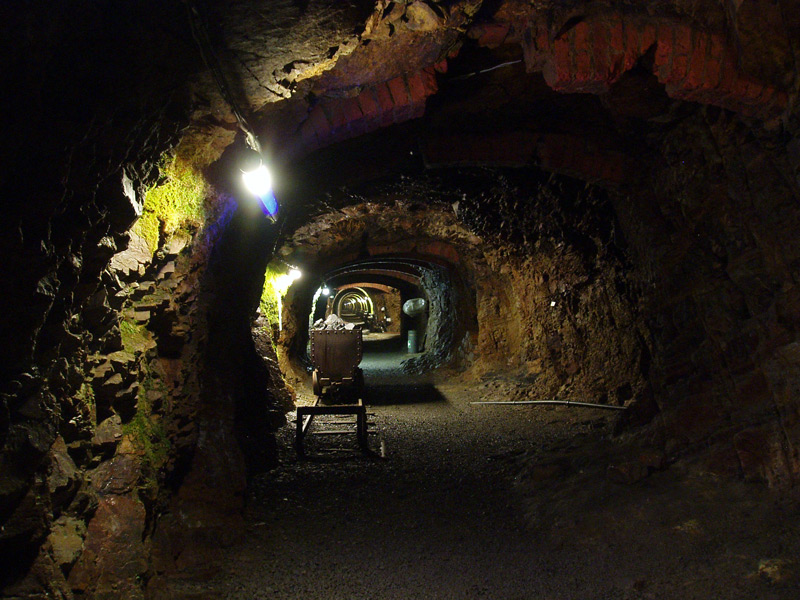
{"x": 506, "y": 504}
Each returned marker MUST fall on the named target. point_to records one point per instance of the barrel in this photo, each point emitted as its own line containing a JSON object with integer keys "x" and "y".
{"x": 412, "y": 341}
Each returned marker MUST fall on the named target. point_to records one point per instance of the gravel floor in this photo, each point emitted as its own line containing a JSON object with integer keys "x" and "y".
{"x": 502, "y": 503}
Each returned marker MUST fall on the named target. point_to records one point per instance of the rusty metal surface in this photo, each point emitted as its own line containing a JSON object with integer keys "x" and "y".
{"x": 336, "y": 354}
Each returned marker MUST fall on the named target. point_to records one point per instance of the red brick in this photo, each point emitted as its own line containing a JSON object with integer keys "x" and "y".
{"x": 397, "y": 87}
{"x": 369, "y": 105}
{"x": 713, "y": 73}
{"x": 494, "y": 34}
{"x": 581, "y": 49}
{"x": 616, "y": 36}
{"x": 428, "y": 76}
{"x": 728, "y": 76}
{"x": 631, "y": 40}
{"x": 647, "y": 37}
{"x": 560, "y": 67}
{"x": 440, "y": 249}
{"x": 352, "y": 110}
{"x": 583, "y": 68}
{"x": 683, "y": 40}
{"x": 384, "y": 97}
{"x": 599, "y": 48}
{"x": 678, "y": 69}
{"x": 695, "y": 75}
{"x": 616, "y": 50}
{"x": 665, "y": 47}
{"x": 581, "y": 35}
{"x": 416, "y": 88}
{"x": 403, "y": 109}
{"x": 716, "y": 55}
{"x": 335, "y": 112}
{"x": 386, "y": 103}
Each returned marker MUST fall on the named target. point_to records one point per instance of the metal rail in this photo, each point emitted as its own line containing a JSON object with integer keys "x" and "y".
{"x": 561, "y": 402}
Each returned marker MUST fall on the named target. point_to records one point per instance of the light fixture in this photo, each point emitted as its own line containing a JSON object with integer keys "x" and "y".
{"x": 257, "y": 178}
{"x": 552, "y": 303}
{"x": 326, "y": 291}
{"x": 255, "y": 174}
{"x": 295, "y": 273}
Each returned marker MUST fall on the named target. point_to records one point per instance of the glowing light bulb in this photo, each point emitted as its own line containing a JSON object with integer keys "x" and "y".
{"x": 326, "y": 290}
{"x": 258, "y": 181}
{"x": 295, "y": 274}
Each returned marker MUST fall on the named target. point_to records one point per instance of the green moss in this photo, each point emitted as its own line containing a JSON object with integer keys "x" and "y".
{"x": 135, "y": 337}
{"x": 85, "y": 395}
{"x": 148, "y": 435}
{"x": 176, "y": 203}
{"x": 276, "y": 283}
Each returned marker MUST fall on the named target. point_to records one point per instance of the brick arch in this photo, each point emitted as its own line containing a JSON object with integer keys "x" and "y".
{"x": 693, "y": 64}
{"x": 369, "y": 285}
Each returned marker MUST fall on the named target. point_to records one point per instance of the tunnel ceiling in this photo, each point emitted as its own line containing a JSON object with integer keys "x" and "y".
{"x": 390, "y": 272}
{"x": 574, "y": 88}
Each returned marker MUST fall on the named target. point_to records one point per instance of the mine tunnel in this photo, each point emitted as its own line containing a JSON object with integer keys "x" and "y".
{"x": 557, "y": 242}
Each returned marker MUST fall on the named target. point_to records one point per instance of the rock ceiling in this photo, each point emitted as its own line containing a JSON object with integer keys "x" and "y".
{"x": 312, "y": 73}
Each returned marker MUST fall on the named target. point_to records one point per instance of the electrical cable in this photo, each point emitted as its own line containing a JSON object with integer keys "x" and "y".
{"x": 200, "y": 34}
{"x": 482, "y": 71}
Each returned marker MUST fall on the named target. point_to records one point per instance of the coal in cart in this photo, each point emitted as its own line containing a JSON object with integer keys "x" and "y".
{"x": 338, "y": 382}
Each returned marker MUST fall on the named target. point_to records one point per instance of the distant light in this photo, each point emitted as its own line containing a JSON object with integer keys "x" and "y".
{"x": 326, "y": 290}
{"x": 295, "y": 274}
{"x": 258, "y": 181}
{"x": 552, "y": 303}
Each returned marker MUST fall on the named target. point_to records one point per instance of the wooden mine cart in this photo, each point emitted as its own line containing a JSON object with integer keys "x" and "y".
{"x": 337, "y": 380}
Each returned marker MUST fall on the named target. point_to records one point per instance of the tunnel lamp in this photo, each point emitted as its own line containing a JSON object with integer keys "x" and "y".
{"x": 552, "y": 303}
{"x": 326, "y": 291}
{"x": 258, "y": 181}
{"x": 295, "y": 273}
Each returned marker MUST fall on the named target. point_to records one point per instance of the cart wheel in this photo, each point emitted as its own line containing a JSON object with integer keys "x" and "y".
{"x": 359, "y": 383}
{"x": 315, "y": 383}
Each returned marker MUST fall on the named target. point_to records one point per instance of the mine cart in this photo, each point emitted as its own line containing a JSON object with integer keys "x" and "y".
{"x": 335, "y": 356}
{"x": 337, "y": 380}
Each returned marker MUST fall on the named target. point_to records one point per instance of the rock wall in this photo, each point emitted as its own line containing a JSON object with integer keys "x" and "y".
{"x": 80, "y": 150}
{"x": 538, "y": 280}
{"x": 101, "y": 392}
{"x": 715, "y": 246}
{"x": 444, "y": 328}
{"x": 555, "y": 306}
